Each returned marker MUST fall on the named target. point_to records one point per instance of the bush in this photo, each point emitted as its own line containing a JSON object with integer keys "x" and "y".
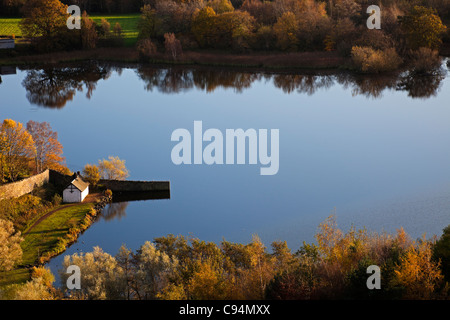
{"x": 425, "y": 60}
{"x": 57, "y": 200}
{"x": 146, "y": 48}
{"x": 369, "y": 60}
{"x": 108, "y": 193}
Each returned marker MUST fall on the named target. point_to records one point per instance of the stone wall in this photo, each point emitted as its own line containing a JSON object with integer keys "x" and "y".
{"x": 19, "y": 188}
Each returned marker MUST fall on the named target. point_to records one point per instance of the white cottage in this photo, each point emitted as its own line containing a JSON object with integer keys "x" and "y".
{"x": 76, "y": 191}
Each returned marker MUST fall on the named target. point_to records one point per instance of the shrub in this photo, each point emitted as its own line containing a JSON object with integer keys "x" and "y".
{"x": 108, "y": 193}
{"x": 106, "y": 26}
{"x": 146, "y": 48}
{"x": 424, "y": 60}
{"x": 369, "y": 60}
{"x": 56, "y": 200}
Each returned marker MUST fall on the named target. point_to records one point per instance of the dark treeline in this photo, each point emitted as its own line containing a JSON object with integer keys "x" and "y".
{"x": 12, "y": 8}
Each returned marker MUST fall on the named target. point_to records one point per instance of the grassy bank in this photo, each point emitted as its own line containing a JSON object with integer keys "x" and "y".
{"x": 49, "y": 237}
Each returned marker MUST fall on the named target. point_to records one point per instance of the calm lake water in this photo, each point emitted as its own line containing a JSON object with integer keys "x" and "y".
{"x": 374, "y": 151}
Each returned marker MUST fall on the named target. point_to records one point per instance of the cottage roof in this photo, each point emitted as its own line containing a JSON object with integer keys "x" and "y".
{"x": 79, "y": 184}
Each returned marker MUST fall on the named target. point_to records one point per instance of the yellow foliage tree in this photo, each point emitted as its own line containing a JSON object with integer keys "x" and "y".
{"x": 285, "y": 31}
{"x": 114, "y": 168}
{"x": 16, "y": 149}
{"x": 417, "y": 273}
{"x": 208, "y": 282}
{"x": 203, "y": 24}
{"x": 10, "y": 250}
{"x": 91, "y": 174}
{"x": 423, "y": 28}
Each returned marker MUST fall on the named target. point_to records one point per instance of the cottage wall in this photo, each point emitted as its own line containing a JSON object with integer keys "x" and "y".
{"x": 71, "y": 197}
{"x": 84, "y": 193}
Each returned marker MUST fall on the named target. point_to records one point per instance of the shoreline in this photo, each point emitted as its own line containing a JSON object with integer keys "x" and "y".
{"x": 258, "y": 61}
{"x": 269, "y": 61}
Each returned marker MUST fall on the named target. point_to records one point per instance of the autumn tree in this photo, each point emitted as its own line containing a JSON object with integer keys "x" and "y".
{"x": 91, "y": 174}
{"x": 172, "y": 45}
{"x": 262, "y": 11}
{"x": 417, "y": 274}
{"x": 101, "y": 276}
{"x": 16, "y": 150}
{"x": 89, "y": 35}
{"x": 48, "y": 149}
{"x": 113, "y": 169}
{"x": 40, "y": 287}
{"x": 220, "y": 6}
{"x": 285, "y": 30}
{"x": 176, "y": 16}
{"x": 208, "y": 282}
{"x": 10, "y": 250}
{"x": 126, "y": 262}
{"x": 423, "y": 28}
{"x": 255, "y": 278}
{"x": 230, "y": 29}
{"x": 45, "y": 22}
{"x": 153, "y": 270}
{"x": 203, "y": 22}
{"x": 43, "y": 18}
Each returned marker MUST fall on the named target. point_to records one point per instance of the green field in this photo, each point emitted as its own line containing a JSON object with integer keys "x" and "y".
{"x": 9, "y": 27}
{"x": 128, "y": 22}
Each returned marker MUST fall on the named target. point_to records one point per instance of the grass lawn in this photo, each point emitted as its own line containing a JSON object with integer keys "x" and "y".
{"x": 44, "y": 237}
{"x": 128, "y": 22}
{"x": 10, "y": 26}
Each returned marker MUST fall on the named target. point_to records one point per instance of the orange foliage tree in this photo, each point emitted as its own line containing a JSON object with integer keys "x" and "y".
{"x": 48, "y": 149}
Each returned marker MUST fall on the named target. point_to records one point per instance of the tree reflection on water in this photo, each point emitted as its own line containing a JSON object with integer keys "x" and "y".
{"x": 53, "y": 87}
{"x": 115, "y": 210}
